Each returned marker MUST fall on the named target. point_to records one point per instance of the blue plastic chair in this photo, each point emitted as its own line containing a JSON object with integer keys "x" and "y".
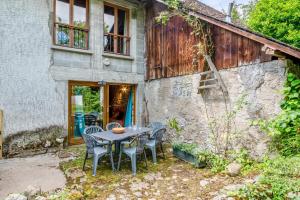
{"x": 101, "y": 143}
{"x": 155, "y": 125}
{"x": 97, "y": 148}
{"x": 95, "y": 129}
{"x": 134, "y": 151}
{"x": 156, "y": 139}
{"x": 97, "y": 151}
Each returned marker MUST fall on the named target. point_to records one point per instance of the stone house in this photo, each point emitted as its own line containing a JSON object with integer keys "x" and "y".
{"x": 56, "y": 53}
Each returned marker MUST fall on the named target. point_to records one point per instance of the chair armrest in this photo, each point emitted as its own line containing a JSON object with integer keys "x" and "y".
{"x": 102, "y": 142}
{"x": 128, "y": 142}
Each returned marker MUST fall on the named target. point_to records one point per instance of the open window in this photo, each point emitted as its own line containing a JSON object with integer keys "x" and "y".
{"x": 71, "y": 26}
{"x": 116, "y": 30}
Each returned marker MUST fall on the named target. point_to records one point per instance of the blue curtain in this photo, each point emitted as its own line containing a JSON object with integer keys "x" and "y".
{"x": 128, "y": 116}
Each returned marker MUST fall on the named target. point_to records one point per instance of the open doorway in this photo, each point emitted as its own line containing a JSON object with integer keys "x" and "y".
{"x": 91, "y": 103}
{"x": 121, "y": 104}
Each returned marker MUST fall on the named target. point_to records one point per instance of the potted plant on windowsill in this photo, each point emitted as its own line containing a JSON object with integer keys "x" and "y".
{"x": 190, "y": 153}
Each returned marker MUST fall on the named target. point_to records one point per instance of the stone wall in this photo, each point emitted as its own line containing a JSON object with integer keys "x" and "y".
{"x": 259, "y": 85}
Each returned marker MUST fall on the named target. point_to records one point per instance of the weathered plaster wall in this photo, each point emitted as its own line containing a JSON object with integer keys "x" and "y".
{"x": 177, "y": 97}
{"x": 29, "y": 96}
{"x": 34, "y": 73}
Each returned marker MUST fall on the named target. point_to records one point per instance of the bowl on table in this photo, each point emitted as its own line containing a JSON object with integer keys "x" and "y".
{"x": 119, "y": 130}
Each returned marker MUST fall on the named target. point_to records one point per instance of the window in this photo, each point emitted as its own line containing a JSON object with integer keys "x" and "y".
{"x": 116, "y": 30}
{"x": 71, "y": 23}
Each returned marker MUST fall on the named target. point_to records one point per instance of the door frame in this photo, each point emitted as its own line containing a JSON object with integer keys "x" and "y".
{"x": 106, "y": 101}
{"x": 71, "y": 83}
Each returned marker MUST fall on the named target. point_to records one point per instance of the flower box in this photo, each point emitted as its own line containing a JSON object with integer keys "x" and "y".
{"x": 188, "y": 157}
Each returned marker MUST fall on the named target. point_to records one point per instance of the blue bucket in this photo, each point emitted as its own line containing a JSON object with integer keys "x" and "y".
{"x": 79, "y": 124}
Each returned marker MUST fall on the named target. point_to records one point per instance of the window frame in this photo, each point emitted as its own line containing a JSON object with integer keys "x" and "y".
{"x": 115, "y": 35}
{"x": 71, "y": 25}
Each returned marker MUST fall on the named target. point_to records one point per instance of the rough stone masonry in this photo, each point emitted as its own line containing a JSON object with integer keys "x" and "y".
{"x": 258, "y": 84}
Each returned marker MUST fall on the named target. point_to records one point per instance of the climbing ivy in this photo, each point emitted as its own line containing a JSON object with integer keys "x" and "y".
{"x": 200, "y": 28}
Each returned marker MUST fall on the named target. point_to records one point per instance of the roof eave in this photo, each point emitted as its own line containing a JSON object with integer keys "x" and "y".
{"x": 270, "y": 42}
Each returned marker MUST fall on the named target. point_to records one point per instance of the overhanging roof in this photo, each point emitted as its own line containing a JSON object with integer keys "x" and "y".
{"x": 267, "y": 41}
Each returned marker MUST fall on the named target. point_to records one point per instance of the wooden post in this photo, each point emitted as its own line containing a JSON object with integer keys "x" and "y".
{"x": 1, "y": 132}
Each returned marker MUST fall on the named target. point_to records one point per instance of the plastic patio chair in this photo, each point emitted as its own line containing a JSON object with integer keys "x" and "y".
{"x": 154, "y": 126}
{"x": 97, "y": 151}
{"x": 155, "y": 141}
{"x": 112, "y": 125}
{"x": 90, "y": 120}
{"x": 134, "y": 151}
{"x": 90, "y": 130}
{"x": 96, "y": 129}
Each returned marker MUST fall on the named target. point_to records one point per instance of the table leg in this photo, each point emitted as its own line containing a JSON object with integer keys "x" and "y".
{"x": 117, "y": 147}
{"x": 111, "y": 157}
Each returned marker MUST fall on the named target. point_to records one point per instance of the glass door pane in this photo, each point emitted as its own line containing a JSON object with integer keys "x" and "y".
{"x": 86, "y": 108}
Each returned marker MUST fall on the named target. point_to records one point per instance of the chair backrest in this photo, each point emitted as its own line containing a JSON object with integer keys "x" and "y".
{"x": 112, "y": 125}
{"x": 94, "y": 113}
{"x": 90, "y": 142}
{"x": 90, "y": 120}
{"x": 155, "y": 126}
{"x": 158, "y": 134}
{"x": 141, "y": 141}
{"x": 92, "y": 129}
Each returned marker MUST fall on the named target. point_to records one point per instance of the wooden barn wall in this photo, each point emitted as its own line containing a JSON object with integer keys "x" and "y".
{"x": 170, "y": 48}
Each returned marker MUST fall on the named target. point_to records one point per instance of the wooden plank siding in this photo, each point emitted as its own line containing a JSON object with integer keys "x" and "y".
{"x": 170, "y": 48}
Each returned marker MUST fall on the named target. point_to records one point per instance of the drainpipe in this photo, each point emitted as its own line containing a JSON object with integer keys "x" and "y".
{"x": 228, "y": 16}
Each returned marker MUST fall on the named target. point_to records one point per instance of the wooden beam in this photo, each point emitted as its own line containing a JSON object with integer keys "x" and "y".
{"x": 208, "y": 86}
{"x": 1, "y": 132}
{"x": 273, "y": 52}
{"x": 275, "y": 45}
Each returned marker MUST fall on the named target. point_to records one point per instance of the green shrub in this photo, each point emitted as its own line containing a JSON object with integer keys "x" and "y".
{"x": 186, "y": 147}
{"x": 173, "y": 124}
{"x": 216, "y": 163}
{"x": 291, "y": 93}
{"x": 242, "y": 157}
{"x": 279, "y": 179}
{"x": 278, "y": 19}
